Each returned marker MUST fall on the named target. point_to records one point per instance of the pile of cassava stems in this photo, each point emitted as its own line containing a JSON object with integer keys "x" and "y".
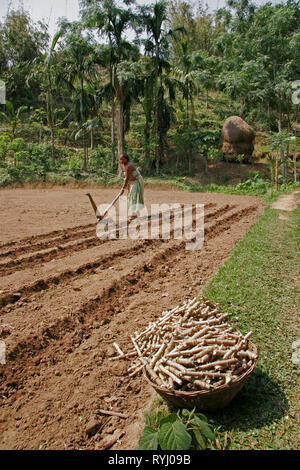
{"x": 190, "y": 348}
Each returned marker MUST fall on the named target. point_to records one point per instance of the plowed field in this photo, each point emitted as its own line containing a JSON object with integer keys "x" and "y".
{"x": 66, "y": 296}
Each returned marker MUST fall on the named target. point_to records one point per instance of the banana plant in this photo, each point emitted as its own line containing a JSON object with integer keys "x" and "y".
{"x": 278, "y": 143}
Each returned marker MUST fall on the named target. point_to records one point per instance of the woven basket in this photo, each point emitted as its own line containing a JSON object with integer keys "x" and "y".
{"x": 205, "y": 400}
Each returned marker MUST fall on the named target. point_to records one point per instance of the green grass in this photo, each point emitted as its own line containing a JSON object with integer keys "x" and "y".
{"x": 296, "y": 235}
{"x": 257, "y": 286}
{"x": 252, "y": 187}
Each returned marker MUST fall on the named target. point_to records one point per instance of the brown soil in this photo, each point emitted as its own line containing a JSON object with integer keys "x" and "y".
{"x": 66, "y": 297}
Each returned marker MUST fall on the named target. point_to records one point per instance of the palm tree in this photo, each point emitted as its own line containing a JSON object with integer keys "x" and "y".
{"x": 46, "y": 69}
{"x": 147, "y": 103}
{"x": 78, "y": 71}
{"x": 157, "y": 47}
{"x": 112, "y": 21}
{"x": 206, "y": 74}
{"x": 185, "y": 71}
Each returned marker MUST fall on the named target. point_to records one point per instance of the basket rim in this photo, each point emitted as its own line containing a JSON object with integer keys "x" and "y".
{"x": 196, "y": 393}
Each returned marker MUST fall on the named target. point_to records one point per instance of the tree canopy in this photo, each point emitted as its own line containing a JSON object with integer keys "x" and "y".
{"x": 159, "y": 59}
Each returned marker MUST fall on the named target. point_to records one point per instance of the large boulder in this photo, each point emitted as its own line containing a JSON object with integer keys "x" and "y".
{"x": 237, "y": 138}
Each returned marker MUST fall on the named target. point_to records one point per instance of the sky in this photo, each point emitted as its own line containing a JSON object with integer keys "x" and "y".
{"x": 47, "y": 10}
{"x": 50, "y": 10}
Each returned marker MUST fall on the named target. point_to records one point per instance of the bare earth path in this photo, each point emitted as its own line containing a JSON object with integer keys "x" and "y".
{"x": 66, "y": 296}
{"x": 286, "y": 202}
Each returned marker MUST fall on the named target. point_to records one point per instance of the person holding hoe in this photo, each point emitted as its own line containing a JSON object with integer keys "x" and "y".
{"x": 134, "y": 182}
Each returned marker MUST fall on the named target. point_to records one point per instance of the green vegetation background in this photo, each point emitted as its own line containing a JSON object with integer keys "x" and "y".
{"x": 76, "y": 100}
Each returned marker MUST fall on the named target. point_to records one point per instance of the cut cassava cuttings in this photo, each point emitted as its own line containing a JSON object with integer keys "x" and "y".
{"x": 190, "y": 348}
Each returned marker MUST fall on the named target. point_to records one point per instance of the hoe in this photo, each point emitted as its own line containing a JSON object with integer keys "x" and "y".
{"x": 100, "y": 217}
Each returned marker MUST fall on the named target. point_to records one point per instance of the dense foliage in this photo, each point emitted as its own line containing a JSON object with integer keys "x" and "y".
{"x": 155, "y": 80}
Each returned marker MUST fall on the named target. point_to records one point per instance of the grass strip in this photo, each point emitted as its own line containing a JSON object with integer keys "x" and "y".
{"x": 259, "y": 285}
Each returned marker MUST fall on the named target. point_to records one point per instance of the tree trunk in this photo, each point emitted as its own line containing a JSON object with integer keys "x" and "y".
{"x": 272, "y": 173}
{"x": 113, "y": 135}
{"x": 120, "y": 98}
{"x": 283, "y": 166}
{"x": 120, "y": 133}
{"x": 206, "y": 165}
{"x": 84, "y": 154}
{"x": 157, "y": 157}
{"x": 295, "y": 167}
{"x": 121, "y": 128}
{"x": 269, "y": 115}
{"x": 50, "y": 118}
{"x": 190, "y": 162}
{"x": 92, "y": 139}
{"x": 276, "y": 174}
{"x": 187, "y": 106}
{"x": 159, "y": 151}
{"x": 147, "y": 139}
{"x": 286, "y": 161}
{"x": 242, "y": 104}
{"x": 52, "y": 145}
{"x": 159, "y": 144}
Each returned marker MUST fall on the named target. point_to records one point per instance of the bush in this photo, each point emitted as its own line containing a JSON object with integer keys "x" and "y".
{"x": 17, "y": 145}
{"x": 5, "y": 178}
{"x": 33, "y": 131}
{"x": 259, "y": 118}
{"x": 75, "y": 161}
{"x": 100, "y": 158}
{"x": 4, "y": 143}
{"x": 23, "y": 157}
{"x": 183, "y": 430}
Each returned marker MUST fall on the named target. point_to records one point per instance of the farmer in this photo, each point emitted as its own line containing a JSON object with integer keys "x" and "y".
{"x": 134, "y": 182}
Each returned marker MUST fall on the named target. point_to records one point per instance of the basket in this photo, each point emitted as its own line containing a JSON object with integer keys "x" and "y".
{"x": 205, "y": 400}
